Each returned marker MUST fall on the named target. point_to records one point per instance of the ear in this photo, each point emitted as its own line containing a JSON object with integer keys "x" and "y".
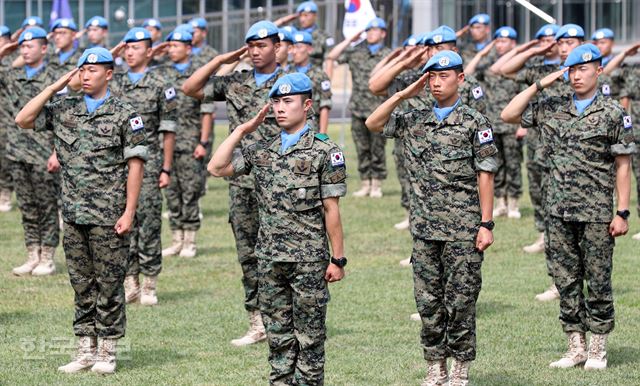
{"x": 109, "y": 74}
{"x": 148, "y": 52}
{"x": 307, "y": 104}
{"x": 599, "y": 70}
{"x": 460, "y": 78}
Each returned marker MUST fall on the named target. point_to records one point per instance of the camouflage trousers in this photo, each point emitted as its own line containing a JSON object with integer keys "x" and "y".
{"x": 579, "y": 252}
{"x": 401, "y": 171}
{"x": 534, "y": 174}
{"x": 370, "y": 150}
{"x": 243, "y": 217}
{"x": 508, "y": 178}
{"x": 37, "y": 193}
{"x": 205, "y": 172}
{"x": 145, "y": 247}
{"x": 184, "y": 192}
{"x": 97, "y": 260}
{"x": 5, "y": 171}
{"x": 636, "y": 171}
{"x": 293, "y": 303}
{"x": 447, "y": 280}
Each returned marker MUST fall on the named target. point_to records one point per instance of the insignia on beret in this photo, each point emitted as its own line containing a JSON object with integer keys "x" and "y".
{"x": 374, "y": 23}
{"x": 600, "y": 35}
{"x": 28, "y": 36}
{"x": 587, "y": 56}
{"x": 152, "y": 23}
{"x": 64, "y": 23}
{"x": 92, "y": 58}
{"x": 504, "y": 33}
{"x": 548, "y": 31}
{"x": 262, "y": 33}
{"x": 572, "y": 32}
{"x": 139, "y": 35}
{"x": 307, "y": 9}
{"x": 32, "y": 22}
{"x": 284, "y": 88}
{"x": 444, "y": 61}
{"x": 437, "y": 39}
{"x": 194, "y": 23}
{"x": 281, "y": 35}
{"x": 412, "y": 41}
{"x": 95, "y": 22}
{"x": 177, "y": 36}
{"x": 299, "y": 37}
{"x": 481, "y": 19}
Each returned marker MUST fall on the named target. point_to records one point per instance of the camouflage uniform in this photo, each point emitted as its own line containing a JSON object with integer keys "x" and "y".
{"x": 204, "y": 56}
{"x": 323, "y": 42}
{"x": 93, "y": 150}
{"x": 36, "y": 190}
{"x": 184, "y": 191}
{"x": 630, "y": 88}
{"x": 292, "y": 249}
{"x": 580, "y": 151}
{"x": 154, "y": 98}
{"x": 443, "y": 159}
{"x": 244, "y": 99}
{"x": 321, "y": 92}
{"x": 369, "y": 145}
{"x": 60, "y": 69}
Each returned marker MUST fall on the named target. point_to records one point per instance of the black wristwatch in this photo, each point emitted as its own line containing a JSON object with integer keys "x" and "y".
{"x": 340, "y": 262}
{"x": 165, "y": 171}
{"x": 205, "y": 143}
{"x": 488, "y": 224}
{"x": 624, "y": 214}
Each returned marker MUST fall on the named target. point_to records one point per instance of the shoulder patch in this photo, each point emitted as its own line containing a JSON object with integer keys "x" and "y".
{"x": 485, "y": 136}
{"x": 136, "y": 123}
{"x": 606, "y": 90}
{"x": 322, "y": 137}
{"x": 330, "y": 42}
{"x": 477, "y": 92}
{"x": 170, "y": 93}
{"x": 337, "y": 159}
{"x": 626, "y": 120}
{"x": 326, "y": 85}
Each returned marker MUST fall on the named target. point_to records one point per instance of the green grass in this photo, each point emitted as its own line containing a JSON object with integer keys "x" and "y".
{"x": 371, "y": 341}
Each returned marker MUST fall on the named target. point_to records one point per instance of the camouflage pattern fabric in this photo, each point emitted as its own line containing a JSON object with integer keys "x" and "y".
{"x": 321, "y": 93}
{"x": 370, "y": 149}
{"x": 630, "y": 88}
{"x": 322, "y": 44}
{"x": 508, "y": 178}
{"x": 204, "y": 56}
{"x": 184, "y": 192}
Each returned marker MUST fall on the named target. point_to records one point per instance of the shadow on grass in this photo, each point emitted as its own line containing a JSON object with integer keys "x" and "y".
{"x": 141, "y": 358}
{"x": 222, "y": 212}
{"x": 501, "y": 378}
{"x": 179, "y": 296}
{"x": 8, "y": 317}
{"x": 622, "y": 355}
{"x": 487, "y": 308}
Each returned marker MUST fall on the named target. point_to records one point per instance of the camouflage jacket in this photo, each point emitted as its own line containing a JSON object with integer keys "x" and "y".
{"x": 93, "y": 150}
{"x": 443, "y": 159}
{"x": 499, "y": 92}
{"x": 361, "y": 62}
{"x": 189, "y": 110}
{"x": 290, "y": 188}
{"x": 155, "y": 99}
{"x": 206, "y": 54}
{"x": 244, "y": 100}
{"x": 322, "y": 44}
{"x": 60, "y": 69}
{"x": 580, "y": 151}
{"x": 321, "y": 90}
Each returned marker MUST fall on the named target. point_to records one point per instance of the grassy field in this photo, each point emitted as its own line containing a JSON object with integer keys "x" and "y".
{"x": 371, "y": 341}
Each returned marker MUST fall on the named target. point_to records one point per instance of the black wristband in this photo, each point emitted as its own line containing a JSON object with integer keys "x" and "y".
{"x": 167, "y": 172}
{"x": 205, "y": 143}
{"x": 624, "y": 214}
{"x": 539, "y": 86}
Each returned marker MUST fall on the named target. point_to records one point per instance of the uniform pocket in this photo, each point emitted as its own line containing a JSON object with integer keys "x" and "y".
{"x": 303, "y": 197}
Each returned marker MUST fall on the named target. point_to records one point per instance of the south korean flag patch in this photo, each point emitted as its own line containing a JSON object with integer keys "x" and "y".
{"x": 326, "y": 85}
{"x": 136, "y": 123}
{"x": 477, "y": 92}
{"x": 170, "y": 93}
{"x": 485, "y": 136}
{"x": 337, "y": 159}
{"x": 606, "y": 90}
{"x": 627, "y": 122}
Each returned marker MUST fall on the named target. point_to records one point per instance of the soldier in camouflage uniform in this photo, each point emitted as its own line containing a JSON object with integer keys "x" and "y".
{"x": 155, "y": 99}
{"x": 587, "y": 141}
{"x": 6, "y": 120}
{"x": 320, "y": 80}
{"x": 192, "y": 142}
{"x": 245, "y": 93}
{"x": 361, "y": 60}
{"x": 32, "y": 164}
{"x": 201, "y": 51}
{"x": 100, "y": 141}
{"x": 450, "y": 156}
{"x": 300, "y": 176}
{"x": 66, "y": 58}
{"x": 480, "y": 34}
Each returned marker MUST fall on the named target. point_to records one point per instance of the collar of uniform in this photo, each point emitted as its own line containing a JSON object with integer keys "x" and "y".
{"x": 305, "y": 142}
{"x": 454, "y": 118}
{"x": 250, "y": 80}
{"x": 129, "y": 84}
{"x": 595, "y": 106}
{"x": 107, "y": 108}
{"x": 22, "y": 76}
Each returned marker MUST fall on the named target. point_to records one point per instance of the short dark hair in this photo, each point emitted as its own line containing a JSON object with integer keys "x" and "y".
{"x": 275, "y": 38}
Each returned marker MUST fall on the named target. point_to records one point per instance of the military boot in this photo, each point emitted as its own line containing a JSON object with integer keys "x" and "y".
{"x": 131, "y": 288}
{"x": 415, "y": 317}
{"x": 404, "y": 224}
{"x": 636, "y": 236}
{"x": 459, "y": 374}
{"x": 105, "y": 357}
{"x": 597, "y": 357}
{"x": 537, "y": 246}
{"x": 550, "y": 294}
{"x": 406, "y": 262}
{"x": 5, "y": 200}
{"x": 176, "y": 243}
{"x": 33, "y": 259}
{"x": 501, "y": 207}
{"x": 256, "y": 332}
{"x": 148, "y": 296}
{"x": 189, "y": 244}
{"x": 376, "y": 188}
{"x": 512, "y": 208}
{"x": 85, "y": 355}
{"x": 436, "y": 373}
{"x": 576, "y": 353}
{"x": 365, "y": 189}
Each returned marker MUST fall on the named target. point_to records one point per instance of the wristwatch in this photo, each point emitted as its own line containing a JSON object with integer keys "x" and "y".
{"x": 165, "y": 171}
{"x": 340, "y": 262}
{"x": 488, "y": 224}
{"x": 623, "y": 213}
{"x": 205, "y": 143}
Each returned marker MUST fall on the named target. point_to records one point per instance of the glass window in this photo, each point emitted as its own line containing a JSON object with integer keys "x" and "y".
{"x": 167, "y": 8}
{"x": 143, "y": 9}
{"x": 190, "y": 7}
{"x": 14, "y": 13}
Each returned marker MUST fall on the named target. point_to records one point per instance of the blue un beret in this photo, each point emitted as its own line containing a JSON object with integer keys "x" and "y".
{"x": 5, "y": 31}
{"x": 180, "y": 35}
{"x": 32, "y": 33}
{"x": 442, "y": 61}
{"x": 136, "y": 34}
{"x": 185, "y": 28}
{"x": 32, "y": 22}
{"x": 570, "y": 31}
{"x": 198, "y": 22}
{"x": 286, "y": 34}
{"x": 64, "y": 23}
{"x": 376, "y": 23}
{"x": 603, "y": 33}
{"x": 506, "y": 32}
{"x": 481, "y": 18}
{"x": 307, "y": 6}
{"x": 547, "y": 30}
{"x": 585, "y": 53}
{"x": 152, "y": 23}
{"x": 95, "y": 55}
{"x": 303, "y": 37}
{"x": 410, "y": 41}
{"x": 97, "y": 21}
{"x": 291, "y": 84}
{"x": 442, "y": 34}
{"x": 261, "y": 30}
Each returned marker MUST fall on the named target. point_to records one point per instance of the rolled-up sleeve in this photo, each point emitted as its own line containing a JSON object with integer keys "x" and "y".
{"x": 334, "y": 174}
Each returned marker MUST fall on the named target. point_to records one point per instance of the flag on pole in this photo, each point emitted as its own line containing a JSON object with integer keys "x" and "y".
{"x": 358, "y": 14}
{"x": 60, "y": 9}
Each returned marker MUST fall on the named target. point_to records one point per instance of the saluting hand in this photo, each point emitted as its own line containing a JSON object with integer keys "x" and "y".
{"x": 252, "y": 125}
{"x": 117, "y": 50}
{"x": 63, "y": 81}
{"x": 526, "y": 46}
{"x": 8, "y": 48}
{"x": 485, "y": 51}
{"x": 633, "y": 50}
{"x": 542, "y": 49}
{"x": 414, "y": 88}
{"x": 462, "y": 31}
{"x": 233, "y": 56}
{"x": 549, "y": 79}
{"x": 159, "y": 49}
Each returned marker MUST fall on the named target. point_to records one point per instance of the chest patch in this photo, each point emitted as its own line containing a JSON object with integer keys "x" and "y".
{"x": 302, "y": 167}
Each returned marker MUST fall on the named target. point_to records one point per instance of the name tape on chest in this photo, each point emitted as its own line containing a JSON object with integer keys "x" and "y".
{"x": 477, "y": 92}
{"x": 627, "y": 121}
{"x": 170, "y": 93}
{"x": 485, "y": 136}
{"x": 326, "y": 85}
{"x": 337, "y": 159}
{"x": 136, "y": 123}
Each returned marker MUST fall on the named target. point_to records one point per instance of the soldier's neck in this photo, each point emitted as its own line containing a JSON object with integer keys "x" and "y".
{"x": 448, "y": 102}
{"x": 294, "y": 129}
{"x": 37, "y": 64}
{"x": 586, "y": 95}
{"x": 139, "y": 68}
{"x": 267, "y": 69}
{"x": 100, "y": 94}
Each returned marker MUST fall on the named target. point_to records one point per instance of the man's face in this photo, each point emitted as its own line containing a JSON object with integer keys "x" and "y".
{"x": 137, "y": 53}
{"x": 33, "y": 51}
{"x": 504, "y": 45}
{"x": 479, "y": 32}
{"x": 301, "y": 52}
{"x": 553, "y": 52}
{"x": 262, "y": 52}
{"x": 290, "y": 111}
{"x": 584, "y": 77}
{"x": 605, "y": 46}
{"x": 306, "y": 19}
{"x": 442, "y": 47}
{"x": 179, "y": 51}
{"x": 375, "y": 35}
{"x": 96, "y": 35}
{"x": 94, "y": 78}
{"x": 63, "y": 38}
{"x": 565, "y": 45}
{"x": 444, "y": 84}
{"x": 156, "y": 34}
{"x": 282, "y": 54}
{"x": 199, "y": 36}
